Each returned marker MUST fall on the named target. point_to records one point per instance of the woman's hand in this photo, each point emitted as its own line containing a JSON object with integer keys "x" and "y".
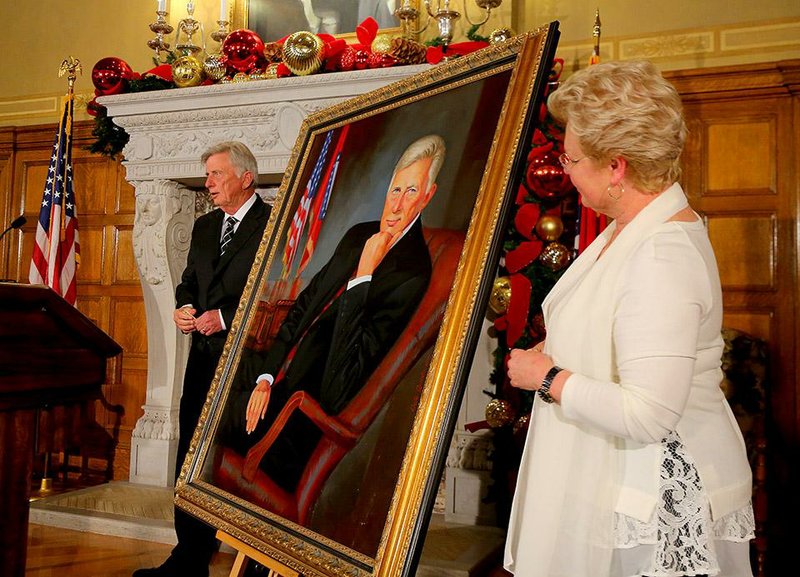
{"x": 526, "y": 369}
{"x": 257, "y": 405}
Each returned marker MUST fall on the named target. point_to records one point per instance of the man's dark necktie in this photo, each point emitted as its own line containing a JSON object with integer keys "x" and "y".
{"x": 227, "y": 236}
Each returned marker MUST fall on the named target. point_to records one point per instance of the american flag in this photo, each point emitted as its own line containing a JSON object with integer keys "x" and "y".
{"x": 301, "y": 214}
{"x": 56, "y": 254}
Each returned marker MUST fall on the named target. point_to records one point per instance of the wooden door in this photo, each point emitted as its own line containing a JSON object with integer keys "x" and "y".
{"x": 741, "y": 174}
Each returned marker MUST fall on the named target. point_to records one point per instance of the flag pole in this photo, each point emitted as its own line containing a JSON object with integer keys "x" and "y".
{"x": 596, "y": 33}
{"x": 69, "y": 66}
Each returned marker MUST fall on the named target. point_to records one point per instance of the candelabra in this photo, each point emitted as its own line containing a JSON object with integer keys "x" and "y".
{"x": 221, "y": 33}
{"x": 160, "y": 27}
{"x": 444, "y": 16}
{"x": 188, "y": 27}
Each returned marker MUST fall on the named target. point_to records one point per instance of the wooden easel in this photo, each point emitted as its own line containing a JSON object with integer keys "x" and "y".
{"x": 245, "y": 552}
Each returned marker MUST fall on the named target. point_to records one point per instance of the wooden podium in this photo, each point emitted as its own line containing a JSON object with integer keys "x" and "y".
{"x": 50, "y": 354}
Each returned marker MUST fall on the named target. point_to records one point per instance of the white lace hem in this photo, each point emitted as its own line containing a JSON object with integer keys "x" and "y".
{"x": 681, "y": 532}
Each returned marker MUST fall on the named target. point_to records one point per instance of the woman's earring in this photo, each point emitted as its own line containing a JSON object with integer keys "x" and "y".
{"x": 612, "y": 187}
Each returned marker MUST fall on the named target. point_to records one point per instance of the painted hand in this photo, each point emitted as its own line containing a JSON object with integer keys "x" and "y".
{"x": 373, "y": 252}
{"x": 257, "y": 405}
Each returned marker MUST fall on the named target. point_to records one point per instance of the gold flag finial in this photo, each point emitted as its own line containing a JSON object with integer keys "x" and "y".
{"x": 596, "y": 33}
{"x": 70, "y": 66}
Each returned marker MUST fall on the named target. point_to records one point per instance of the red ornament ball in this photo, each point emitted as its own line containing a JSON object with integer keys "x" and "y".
{"x": 111, "y": 75}
{"x": 243, "y": 49}
{"x": 546, "y": 178}
{"x": 346, "y": 59}
{"x": 381, "y": 60}
{"x": 362, "y": 59}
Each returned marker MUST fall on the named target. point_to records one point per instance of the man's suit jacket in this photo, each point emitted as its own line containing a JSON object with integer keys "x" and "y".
{"x": 341, "y": 335}
{"x": 211, "y": 281}
{"x": 329, "y": 343}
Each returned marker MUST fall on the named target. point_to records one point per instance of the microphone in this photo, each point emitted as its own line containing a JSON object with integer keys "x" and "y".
{"x": 16, "y": 223}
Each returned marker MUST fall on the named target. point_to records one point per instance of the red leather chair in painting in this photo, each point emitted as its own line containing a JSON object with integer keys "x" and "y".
{"x": 243, "y": 477}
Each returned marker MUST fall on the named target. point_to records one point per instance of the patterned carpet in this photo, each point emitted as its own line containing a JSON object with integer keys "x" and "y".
{"x": 117, "y": 498}
{"x": 119, "y": 508}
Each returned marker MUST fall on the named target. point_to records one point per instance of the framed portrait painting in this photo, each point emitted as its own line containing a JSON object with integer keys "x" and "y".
{"x": 325, "y": 432}
{"x": 275, "y": 19}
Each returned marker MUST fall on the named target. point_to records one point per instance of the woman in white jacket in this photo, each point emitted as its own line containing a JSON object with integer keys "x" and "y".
{"x": 634, "y": 464}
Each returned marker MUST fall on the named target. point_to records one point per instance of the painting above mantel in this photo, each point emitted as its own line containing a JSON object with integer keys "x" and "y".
{"x": 275, "y": 19}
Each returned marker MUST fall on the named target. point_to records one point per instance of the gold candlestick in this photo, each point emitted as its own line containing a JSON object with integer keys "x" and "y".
{"x": 160, "y": 27}
{"x": 188, "y": 27}
{"x": 444, "y": 16}
{"x": 221, "y": 33}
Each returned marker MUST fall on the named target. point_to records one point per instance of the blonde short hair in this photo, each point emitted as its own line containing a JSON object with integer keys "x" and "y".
{"x": 625, "y": 109}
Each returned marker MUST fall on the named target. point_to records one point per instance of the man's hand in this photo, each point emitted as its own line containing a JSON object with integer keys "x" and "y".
{"x": 184, "y": 319}
{"x": 208, "y": 323}
{"x": 373, "y": 252}
{"x": 257, "y": 405}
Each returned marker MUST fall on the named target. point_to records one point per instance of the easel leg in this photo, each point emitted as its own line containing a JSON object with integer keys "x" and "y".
{"x": 239, "y": 565}
{"x": 245, "y": 552}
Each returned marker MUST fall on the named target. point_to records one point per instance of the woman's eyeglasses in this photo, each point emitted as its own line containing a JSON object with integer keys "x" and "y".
{"x": 566, "y": 162}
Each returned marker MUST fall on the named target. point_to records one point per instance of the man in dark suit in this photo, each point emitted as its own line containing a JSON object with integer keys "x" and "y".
{"x": 223, "y": 247}
{"x": 347, "y": 318}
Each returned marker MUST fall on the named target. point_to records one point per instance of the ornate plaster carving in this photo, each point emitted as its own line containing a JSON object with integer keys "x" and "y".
{"x": 469, "y": 451}
{"x": 158, "y": 424}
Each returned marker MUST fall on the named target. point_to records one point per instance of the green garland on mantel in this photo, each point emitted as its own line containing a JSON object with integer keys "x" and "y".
{"x": 110, "y": 139}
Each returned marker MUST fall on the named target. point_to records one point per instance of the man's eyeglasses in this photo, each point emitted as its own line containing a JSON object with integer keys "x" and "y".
{"x": 568, "y": 162}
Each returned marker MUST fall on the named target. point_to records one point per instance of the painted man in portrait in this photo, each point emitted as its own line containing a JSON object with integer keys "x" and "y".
{"x": 345, "y": 320}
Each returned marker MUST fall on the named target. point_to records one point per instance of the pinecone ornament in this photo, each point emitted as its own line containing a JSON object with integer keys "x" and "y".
{"x": 407, "y": 51}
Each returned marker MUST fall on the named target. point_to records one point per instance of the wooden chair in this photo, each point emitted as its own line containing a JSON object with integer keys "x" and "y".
{"x": 745, "y": 363}
{"x": 242, "y": 475}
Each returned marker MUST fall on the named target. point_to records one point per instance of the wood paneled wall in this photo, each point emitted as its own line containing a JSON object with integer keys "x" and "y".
{"x": 109, "y": 291}
{"x": 741, "y": 172}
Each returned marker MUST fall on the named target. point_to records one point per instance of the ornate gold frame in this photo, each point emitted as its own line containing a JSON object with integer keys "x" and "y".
{"x": 241, "y": 10}
{"x": 526, "y": 61}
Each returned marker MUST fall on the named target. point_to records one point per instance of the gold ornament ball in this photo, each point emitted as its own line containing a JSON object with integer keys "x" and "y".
{"x": 501, "y": 295}
{"x": 555, "y": 256}
{"x": 187, "y": 71}
{"x": 500, "y": 35}
{"x": 271, "y": 71}
{"x": 499, "y": 413}
{"x": 302, "y": 53}
{"x": 382, "y": 43}
{"x": 549, "y": 228}
{"x": 213, "y": 67}
{"x": 521, "y": 424}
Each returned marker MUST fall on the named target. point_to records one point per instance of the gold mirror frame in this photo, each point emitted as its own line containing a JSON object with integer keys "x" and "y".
{"x": 241, "y": 11}
{"x": 522, "y": 66}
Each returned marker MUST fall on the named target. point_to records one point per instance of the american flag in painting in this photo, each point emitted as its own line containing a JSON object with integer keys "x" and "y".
{"x": 56, "y": 254}
{"x": 320, "y": 206}
{"x": 301, "y": 214}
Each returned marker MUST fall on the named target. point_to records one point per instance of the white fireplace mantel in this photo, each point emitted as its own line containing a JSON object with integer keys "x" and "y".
{"x": 169, "y": 130}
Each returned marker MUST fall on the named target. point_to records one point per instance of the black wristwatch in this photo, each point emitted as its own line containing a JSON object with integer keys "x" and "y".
{"x": 544, "y": 390}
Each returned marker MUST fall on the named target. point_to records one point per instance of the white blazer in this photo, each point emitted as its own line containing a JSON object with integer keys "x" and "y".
{"x": 640, "y": 330}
